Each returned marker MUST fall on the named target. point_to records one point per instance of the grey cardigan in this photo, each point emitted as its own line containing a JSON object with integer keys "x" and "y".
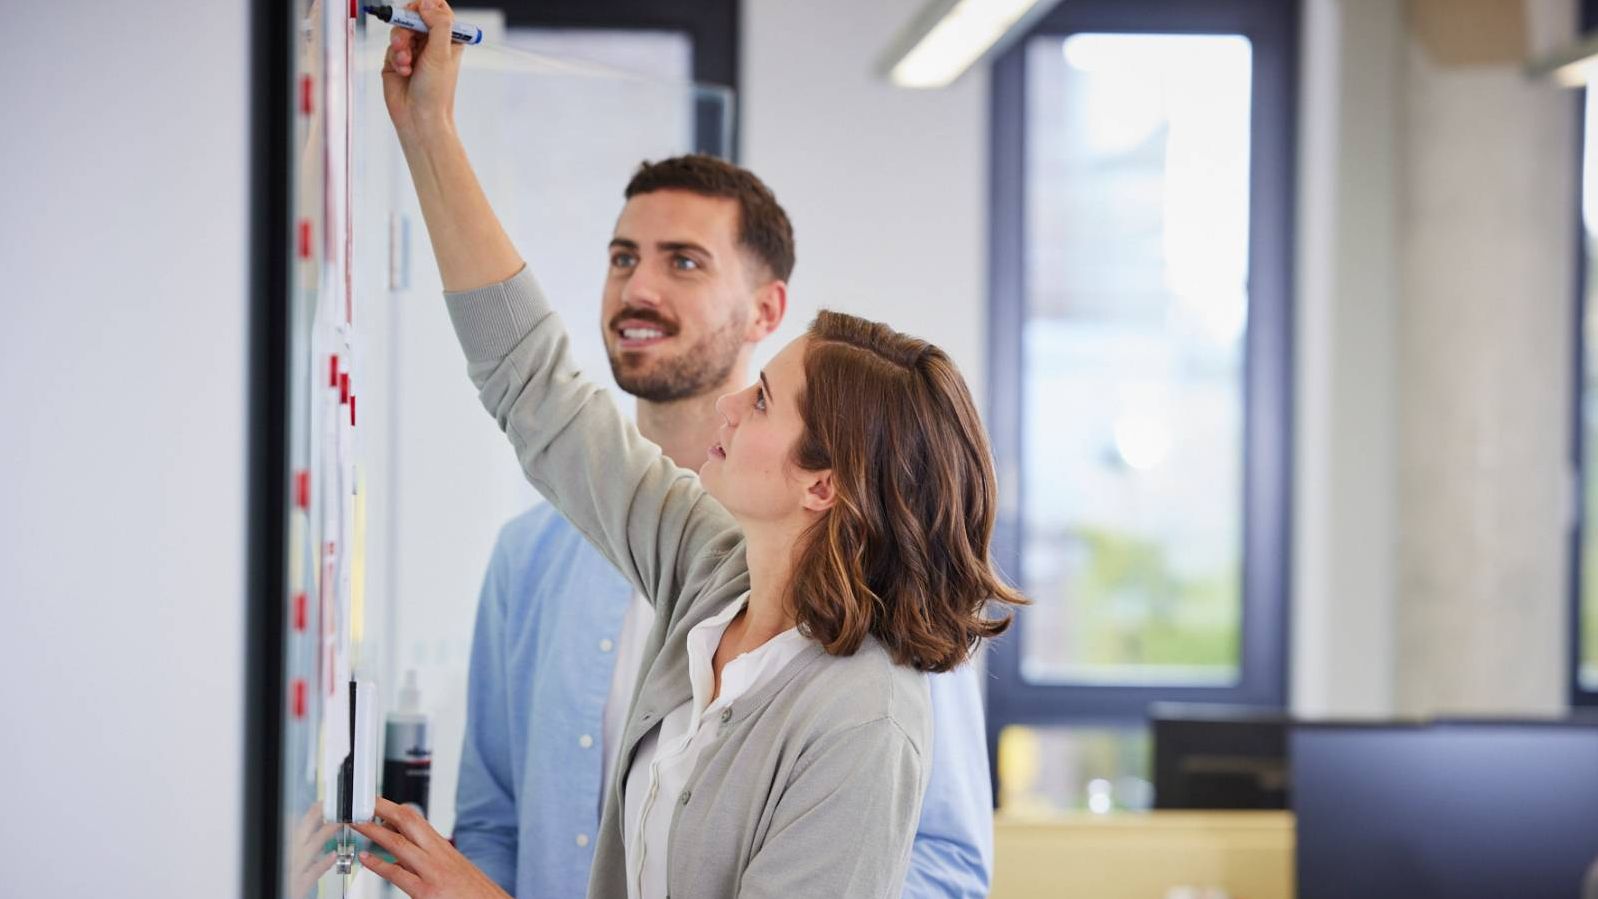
{"x": 814, "y": 784}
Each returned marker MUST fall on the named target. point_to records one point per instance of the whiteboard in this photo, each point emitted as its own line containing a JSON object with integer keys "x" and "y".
{"x": 399, "y": 481}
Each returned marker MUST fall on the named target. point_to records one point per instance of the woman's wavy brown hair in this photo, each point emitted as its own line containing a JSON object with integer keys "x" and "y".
{"x": 903, "y": 553}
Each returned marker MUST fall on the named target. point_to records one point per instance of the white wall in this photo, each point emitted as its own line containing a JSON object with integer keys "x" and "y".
{"x": 1345, "y": 314}
{"x": 887, "y": 188}
{"x": 122, "y": 365}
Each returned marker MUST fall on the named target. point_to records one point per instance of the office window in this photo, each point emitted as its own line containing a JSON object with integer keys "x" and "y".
{"x": 1141, "y": 182}
{"x": 1136, "y": 303}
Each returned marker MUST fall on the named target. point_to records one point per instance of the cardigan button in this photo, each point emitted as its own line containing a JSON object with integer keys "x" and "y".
{"x": 726, "y": 714}
{"x": 685, "y": 795}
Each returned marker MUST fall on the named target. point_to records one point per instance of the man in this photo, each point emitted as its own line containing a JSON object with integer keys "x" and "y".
{"x": 698, "y": 272}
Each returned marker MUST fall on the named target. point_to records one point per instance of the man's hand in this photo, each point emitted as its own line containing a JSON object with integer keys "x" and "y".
{"x": 428, "y": 866}
{"x": 420, "y": 72}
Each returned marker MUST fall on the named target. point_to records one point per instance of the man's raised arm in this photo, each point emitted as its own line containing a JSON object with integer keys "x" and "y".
{"x": 419, "y": 76}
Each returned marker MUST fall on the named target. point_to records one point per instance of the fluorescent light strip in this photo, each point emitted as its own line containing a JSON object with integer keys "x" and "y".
{"x": 1576, "y": 74}
{"x": 1575, "y": 65}
{"x": 967, "y": 31}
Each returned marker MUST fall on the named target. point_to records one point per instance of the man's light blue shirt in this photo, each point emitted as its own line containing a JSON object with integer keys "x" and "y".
{"x": 544, "y": 651}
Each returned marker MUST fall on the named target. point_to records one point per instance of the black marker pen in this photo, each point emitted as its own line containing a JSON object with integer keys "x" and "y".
{"x": 459, "y": 32}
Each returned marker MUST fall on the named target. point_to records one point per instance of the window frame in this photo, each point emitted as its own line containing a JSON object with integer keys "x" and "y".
{"x": 1272, "y": 28}
{"x": 273, "y": 32}
{"x": 1580, "y": 696}
{"x": 712, "y": 27}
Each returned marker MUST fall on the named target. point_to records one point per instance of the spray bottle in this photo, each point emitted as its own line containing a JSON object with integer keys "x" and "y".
{"x": 408, "y": 750}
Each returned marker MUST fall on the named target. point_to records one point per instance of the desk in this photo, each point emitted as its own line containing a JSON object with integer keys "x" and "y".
{"x": 1141, "y": 856}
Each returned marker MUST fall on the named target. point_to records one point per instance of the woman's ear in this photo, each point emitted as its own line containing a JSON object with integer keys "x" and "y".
{"x": 820, "y": 494}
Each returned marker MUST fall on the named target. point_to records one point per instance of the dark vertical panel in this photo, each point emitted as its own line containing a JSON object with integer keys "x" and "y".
{"x": 1579, "y": 696}
{"x": 1268, "y": 450}
{"x": 267, "y": 443}
{"x": 1007, "y": 315}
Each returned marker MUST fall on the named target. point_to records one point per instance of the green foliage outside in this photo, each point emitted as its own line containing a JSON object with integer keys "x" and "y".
{"x": 1134, "y": 609}
{"x": 1129, "y": 607}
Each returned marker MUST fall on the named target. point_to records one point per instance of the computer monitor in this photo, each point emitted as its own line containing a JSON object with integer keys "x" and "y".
{"x": 1467, "y": 810}
{"x": 1219, "y": 757}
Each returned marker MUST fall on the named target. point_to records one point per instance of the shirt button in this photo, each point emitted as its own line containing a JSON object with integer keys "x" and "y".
{"x": 606, "y": 646}
{"x": 726, "y": 714}
{"x": 585, "y": 741}
{"x": 685, "y": 795}
{"x": 582, "y": 839}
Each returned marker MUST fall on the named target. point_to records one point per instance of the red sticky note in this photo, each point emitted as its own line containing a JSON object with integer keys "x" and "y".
{"x": 302, "y": 489}
{"x": 299, "y": 697}
{"x": 301, "y": 611}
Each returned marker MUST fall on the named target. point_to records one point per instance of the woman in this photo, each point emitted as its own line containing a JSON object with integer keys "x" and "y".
{"x": 833, "y": 547}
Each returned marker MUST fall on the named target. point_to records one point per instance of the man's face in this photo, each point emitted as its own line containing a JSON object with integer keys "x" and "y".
{"x": 679, "y": 295}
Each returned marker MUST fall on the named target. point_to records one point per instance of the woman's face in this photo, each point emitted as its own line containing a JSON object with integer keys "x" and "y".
{"x": 750, "y": 468}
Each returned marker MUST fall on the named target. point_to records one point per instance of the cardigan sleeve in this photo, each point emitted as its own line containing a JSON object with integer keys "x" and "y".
{"x": 650, "y": 518}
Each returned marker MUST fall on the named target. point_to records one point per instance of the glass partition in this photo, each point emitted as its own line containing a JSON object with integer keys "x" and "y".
{"x": 399, "y": 480}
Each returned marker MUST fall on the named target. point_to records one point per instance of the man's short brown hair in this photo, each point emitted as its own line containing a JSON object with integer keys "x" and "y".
{"x": 763, "y": 227}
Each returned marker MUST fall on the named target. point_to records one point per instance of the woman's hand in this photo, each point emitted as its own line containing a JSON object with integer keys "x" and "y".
{"x": 428, "y": 867}
{"x": 420, "y": 72}
{"x": 309, "y": 858}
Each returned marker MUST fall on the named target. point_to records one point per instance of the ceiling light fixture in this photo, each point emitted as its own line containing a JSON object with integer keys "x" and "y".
{"x": 949, "y": 36}
{"x": 1573, "y": 66}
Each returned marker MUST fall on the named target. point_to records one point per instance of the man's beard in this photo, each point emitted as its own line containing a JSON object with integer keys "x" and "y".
{"x": 703, "y": 366}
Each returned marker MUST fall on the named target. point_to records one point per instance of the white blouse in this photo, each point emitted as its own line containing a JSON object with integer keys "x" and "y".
{"x": 629, "y": 648}
{"x": 666, "y": 757}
